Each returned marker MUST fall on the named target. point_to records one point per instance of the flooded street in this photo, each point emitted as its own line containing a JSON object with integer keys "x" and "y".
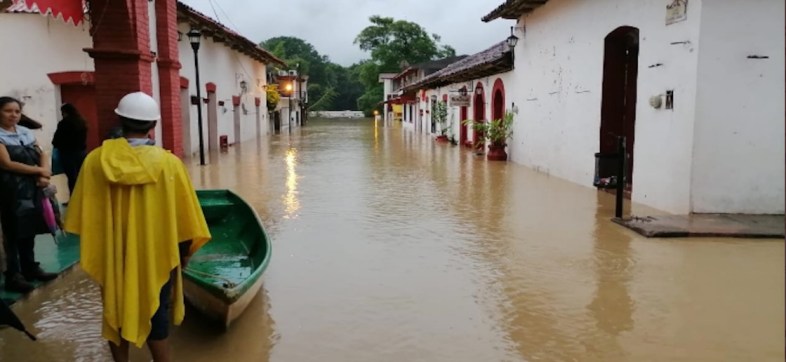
{"x": 388, "y": 246}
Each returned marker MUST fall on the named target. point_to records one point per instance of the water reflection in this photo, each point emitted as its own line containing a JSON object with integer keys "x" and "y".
{"x": 612, "y": 306}
{"x": 290, "y": 198}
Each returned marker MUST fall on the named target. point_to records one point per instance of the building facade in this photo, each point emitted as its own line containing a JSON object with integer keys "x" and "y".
{"x": 93, "y": 66}
{"x": 696, "y": 88}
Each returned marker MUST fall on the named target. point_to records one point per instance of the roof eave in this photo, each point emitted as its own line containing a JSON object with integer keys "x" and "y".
{"x": 219, "y": 33}
{"x": 501, "y": 65}
{"x": 513, "y": 9}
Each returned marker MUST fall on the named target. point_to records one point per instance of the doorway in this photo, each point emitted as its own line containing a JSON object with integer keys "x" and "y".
{"x": 479, "y": 112}
{"x": 463, "y": 114}
{"x": 498, "y": 100}
{"x": 618, "y": 104}
{"x": 462, "y": 125}
{"x": 83, "y": 97}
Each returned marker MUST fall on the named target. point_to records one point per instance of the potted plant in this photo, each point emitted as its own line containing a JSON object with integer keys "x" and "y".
{"x": 440, "y": 114}
{"x": 496, "y": 132}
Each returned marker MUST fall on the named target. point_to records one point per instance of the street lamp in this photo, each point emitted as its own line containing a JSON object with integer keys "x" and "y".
{"x": 194, "y": 37}
{"x": 512, "y": 39}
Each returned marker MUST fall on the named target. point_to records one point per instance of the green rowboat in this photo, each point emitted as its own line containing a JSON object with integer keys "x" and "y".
{"x": 223, "y": 277}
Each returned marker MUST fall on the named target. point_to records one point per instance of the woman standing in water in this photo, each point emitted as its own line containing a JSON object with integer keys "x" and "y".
{"x": 71, "y": 142}
{"x": 24, "y": 169}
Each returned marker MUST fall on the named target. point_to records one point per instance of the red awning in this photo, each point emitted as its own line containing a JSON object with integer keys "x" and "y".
{"x": 69, "y": 10}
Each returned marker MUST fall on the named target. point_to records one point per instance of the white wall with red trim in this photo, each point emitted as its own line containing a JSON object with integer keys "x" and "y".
{"x": 225, "y": 68}
{"x": 485, "y": 87}
{"x": 34, "y": 46}
{"x": 718, "y": 93}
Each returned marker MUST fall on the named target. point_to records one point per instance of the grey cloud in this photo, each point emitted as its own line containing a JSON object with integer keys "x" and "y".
{"x": 331, "y": 26}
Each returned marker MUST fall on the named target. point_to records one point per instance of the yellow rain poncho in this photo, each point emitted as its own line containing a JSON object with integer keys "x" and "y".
{"x": 131, "y": 207}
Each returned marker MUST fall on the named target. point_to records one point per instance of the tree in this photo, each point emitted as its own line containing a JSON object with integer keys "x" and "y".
{"x": 393, "y": 43}
{"x": 330, "y": 86}
{"x": 348, "y": 87}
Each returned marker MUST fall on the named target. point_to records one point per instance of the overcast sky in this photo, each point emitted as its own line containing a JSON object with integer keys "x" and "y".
{"x": 332, "y": 25}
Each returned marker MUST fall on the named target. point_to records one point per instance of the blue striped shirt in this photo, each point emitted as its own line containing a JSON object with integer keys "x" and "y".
{"x": 22, "y": 137}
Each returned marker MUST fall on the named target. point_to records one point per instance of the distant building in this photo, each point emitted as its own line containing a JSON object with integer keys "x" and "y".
{"x": 412, "y": 114}
{"x": 390, "y": 91}
{"x": 473, "y": 87}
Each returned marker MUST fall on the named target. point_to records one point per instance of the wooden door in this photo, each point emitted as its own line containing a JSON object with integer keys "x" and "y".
{"x": 618, "y": 107}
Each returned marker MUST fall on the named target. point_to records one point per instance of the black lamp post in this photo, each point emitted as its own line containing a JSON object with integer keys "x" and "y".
{"x": 303, "y": 113}
{"x": 290, "y": 89}
{"x": 194, "y": 37}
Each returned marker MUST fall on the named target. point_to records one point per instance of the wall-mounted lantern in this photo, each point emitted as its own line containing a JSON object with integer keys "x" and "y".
{"x": 512, "y": 39}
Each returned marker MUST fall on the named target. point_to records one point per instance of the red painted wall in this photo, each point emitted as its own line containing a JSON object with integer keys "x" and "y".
{"x": 121, "y": 54}
{"x": 169, "y": 76}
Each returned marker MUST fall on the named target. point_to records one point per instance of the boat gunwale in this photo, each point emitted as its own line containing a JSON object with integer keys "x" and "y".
{"x": 232, "y": 294}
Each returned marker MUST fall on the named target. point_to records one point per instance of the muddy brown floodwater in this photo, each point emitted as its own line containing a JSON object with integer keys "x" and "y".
{"x": 391, "y": 247}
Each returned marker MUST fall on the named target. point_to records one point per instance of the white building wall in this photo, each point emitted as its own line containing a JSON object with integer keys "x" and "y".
{"x": 410, "y": 115}
{"x": 27, "y": 61}
{"x": 454, "y": 113}
{"x": 387, "y": 90}
{"x": 256, "y": 88}
{"x": 738, "y": 161}
{"x": 558, "y": 88}
{"x": 226, "y": 68}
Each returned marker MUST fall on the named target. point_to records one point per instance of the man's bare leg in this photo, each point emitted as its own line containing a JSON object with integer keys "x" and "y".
{"x": 119, "y": 353}
{"x": 159, "y": 350}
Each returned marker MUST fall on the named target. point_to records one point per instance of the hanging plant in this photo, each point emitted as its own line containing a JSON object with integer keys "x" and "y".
{"x": 273, "y": 97}
{"x": 440, "y": 114}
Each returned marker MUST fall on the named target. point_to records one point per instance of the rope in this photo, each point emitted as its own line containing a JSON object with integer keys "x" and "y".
{"x": 227, "y": 283}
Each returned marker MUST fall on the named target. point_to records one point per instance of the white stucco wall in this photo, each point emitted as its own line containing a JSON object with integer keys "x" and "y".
{"x": 387, "y": 90}
{"x": 558, "y": 87}
{"x": 27, "y": 60}
{"x": 226, "y": 68}
{"x": 454, "y": 113}
{"x": 738, "y": 161}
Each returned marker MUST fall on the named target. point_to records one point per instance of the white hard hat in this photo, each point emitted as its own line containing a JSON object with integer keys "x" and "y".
{"x": 138, "y": 106}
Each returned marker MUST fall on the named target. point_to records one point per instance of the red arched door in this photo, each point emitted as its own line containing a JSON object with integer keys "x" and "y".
{"x": 498, "y": 100}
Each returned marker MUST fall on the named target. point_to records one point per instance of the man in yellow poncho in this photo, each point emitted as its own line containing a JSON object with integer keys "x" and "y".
{"x": 139, "y": 220}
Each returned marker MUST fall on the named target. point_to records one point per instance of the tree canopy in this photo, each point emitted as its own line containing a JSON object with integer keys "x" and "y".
{"x": 393, "y": 44}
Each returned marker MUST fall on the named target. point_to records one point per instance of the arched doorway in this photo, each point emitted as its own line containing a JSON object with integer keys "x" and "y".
{"x": 78, "y": 88}
{"x": 463, "y": 115}
{"x": 618, "y": 107}
{"x": 498, "y": 100}
{"x": 479, "y": 114}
